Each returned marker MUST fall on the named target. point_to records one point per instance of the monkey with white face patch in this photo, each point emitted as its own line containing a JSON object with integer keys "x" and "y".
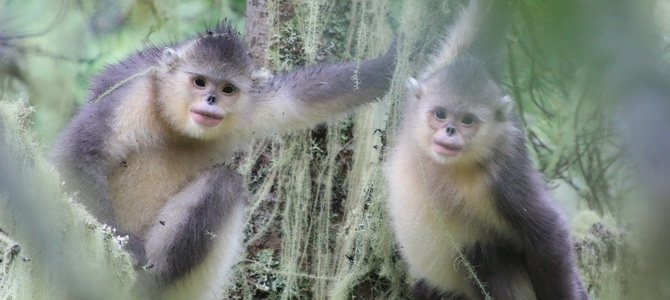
{"x": 147, "y": 153}
{"x": 471, "y": 216}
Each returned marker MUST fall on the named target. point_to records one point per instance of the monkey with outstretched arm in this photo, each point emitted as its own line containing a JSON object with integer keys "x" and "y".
{"x": 148, "y": 153}
{"x": 471, "y": 215}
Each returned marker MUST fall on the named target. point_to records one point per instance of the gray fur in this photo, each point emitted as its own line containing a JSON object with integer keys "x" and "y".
{"x": 481, "y": 40}
{"x": 321, "y": 93}
{"x": 334, "y": 84}
{"x": 179, "y": 256}
{"x": 82, "y": 160}
{"x": 423, "y": 290}
{"x": 215, "y": 197}
{"x": 225, "y": 46}
{"x": 547, "y": 249}
{"x": 466, "y": 79}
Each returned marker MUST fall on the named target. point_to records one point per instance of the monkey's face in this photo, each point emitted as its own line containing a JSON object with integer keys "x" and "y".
{"x": 201, "y": 106}
{"x": 452, "y": 128}
{"x": 208, "y": 107}
{"x": 460, "y": 113}
{"x": 452, "y": 132}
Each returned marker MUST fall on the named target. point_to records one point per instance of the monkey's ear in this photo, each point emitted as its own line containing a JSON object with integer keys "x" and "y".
{"x": 505, "y": 108}
{"x": 170, "y": 58}
{"x": 415, "y": 88}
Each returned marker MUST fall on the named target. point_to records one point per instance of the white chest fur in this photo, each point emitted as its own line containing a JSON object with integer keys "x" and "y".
{"x": 435, "y": 214}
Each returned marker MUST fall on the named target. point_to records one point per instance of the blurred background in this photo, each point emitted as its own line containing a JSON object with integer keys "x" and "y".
{"x": 589, "y": 79}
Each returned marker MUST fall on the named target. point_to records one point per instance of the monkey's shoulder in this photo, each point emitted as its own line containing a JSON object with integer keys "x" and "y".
{"x": 114, "y": 74}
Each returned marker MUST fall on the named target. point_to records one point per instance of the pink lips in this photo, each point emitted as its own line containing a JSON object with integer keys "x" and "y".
{"x": 446, "y": 149}
{"x": 206, "y": 118}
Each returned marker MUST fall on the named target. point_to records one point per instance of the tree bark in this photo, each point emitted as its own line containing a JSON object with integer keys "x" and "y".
{"x": 256, "y": 30}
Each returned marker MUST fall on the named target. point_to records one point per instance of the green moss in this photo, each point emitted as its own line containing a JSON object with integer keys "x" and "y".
{"x": 50, "y": 247}
{"x": 601, "y": 254}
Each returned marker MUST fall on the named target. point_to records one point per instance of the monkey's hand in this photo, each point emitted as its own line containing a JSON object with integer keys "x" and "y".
{"x": 135, "y": 248}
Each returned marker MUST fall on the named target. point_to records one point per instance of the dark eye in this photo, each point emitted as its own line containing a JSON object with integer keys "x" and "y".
{"x": 199, "y": 82}
{"x": 440, "y": 114}
{"x": 468, "y": 120}
{"x": 228, "y": 89}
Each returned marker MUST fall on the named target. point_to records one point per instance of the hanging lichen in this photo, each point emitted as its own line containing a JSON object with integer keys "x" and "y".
{"x": 326, "y": 228}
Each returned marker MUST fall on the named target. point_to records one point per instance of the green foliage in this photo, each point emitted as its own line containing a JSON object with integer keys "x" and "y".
{"x": 568, "y": 128}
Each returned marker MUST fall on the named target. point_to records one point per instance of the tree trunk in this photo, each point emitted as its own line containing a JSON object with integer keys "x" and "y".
{"x": 256, "y": 30}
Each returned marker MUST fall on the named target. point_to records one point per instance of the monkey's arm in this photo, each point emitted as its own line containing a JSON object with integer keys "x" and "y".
{"x": 81, "y": 158}
{"x": 502, "y": 270}
{"x": 207, "y": 212}
{"x": 547, "y": 248}
{"x": 307, "y": 96}
{"x": 79, "y": 155}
